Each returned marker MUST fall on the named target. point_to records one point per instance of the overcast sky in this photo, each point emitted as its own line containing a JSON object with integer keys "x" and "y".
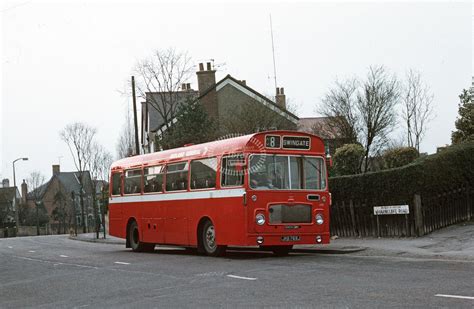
{"x": 63, "y": 63}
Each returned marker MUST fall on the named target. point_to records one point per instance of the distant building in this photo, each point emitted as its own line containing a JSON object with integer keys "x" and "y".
{"x": 56, "y": 196}
{"x": 9, "y": 198}
{"x": 218, "y": 99}
{"x": 321, "y": 126}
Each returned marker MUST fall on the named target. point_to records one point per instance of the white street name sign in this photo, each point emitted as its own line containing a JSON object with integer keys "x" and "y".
{"x": 391, "y": 210}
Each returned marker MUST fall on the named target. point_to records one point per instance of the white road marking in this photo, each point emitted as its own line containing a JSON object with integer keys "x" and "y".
{"x": 62, "y": 255}
{"x": 239, "y": 277}
{"x": 31, "y": 251}
{"x": 10, "y": 247}
{"x": 455, "y": 296}
{"x": 52, "y": 262}
{"x": 122, "y": 263}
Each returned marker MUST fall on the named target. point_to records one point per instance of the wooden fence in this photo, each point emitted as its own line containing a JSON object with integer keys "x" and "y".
{"x": 355, "y": 218}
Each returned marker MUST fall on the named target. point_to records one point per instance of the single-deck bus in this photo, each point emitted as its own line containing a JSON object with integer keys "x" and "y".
{"x": 267, "y": 189}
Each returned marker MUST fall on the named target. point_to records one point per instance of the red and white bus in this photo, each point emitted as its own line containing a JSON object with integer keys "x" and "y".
{"x": 267, "y": 189}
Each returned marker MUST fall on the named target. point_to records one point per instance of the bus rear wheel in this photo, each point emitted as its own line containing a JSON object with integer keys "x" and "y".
{"x": 281, "y": 250}
{"x": 134, "y": 238}
{"x": 208, "y": 240}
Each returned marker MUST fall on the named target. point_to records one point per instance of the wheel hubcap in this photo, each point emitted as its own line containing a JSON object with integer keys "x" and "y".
{"x": 211, "y": 238}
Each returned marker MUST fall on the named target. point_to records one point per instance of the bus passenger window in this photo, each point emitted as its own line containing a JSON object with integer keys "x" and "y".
{"x": 177, "y": 176}
{"x": 203, "y": 173}
{"x": 116, "y": 183}
{"x": 153, "y": 179}
{"x": 133, "y": 182}
{"x": 233, "y": 170}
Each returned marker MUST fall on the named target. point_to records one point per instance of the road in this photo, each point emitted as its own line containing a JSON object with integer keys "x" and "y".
{"x": 55, "y": 271}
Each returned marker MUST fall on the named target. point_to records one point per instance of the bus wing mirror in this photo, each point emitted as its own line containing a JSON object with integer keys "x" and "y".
{"x": 329, "y": 160}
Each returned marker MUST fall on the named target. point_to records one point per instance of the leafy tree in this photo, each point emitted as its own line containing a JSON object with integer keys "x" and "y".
{"x": 465, "y": 121}
{"x": 400, "y": 156}
{"x": 347, "y": 159}
{"x": 192, "y": 125}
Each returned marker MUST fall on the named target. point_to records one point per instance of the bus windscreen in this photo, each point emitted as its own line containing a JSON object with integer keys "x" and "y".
{"x": 280, "y": 172}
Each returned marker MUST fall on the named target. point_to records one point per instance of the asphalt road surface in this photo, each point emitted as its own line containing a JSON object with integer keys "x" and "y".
{"x": 54, "y": 271}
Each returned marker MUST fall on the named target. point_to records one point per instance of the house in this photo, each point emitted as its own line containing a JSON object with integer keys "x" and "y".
{"x": 221, "y": 100}
{"x": 56, "y": 197}
{"x": 9, "y": 198}
{"x": 322, "y": 126}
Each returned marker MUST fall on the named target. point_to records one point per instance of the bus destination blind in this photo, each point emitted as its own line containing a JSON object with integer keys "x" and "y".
{"x": 296, "y": 142}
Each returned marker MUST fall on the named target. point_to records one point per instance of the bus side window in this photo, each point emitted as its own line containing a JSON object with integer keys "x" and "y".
{"x": 203, "y": 173}
{"x": 233, "y": 170}
{"x": 177, "y": 176}
{"x": 116, "y": 183}
{"x": 133, "y": 182}
{"x": 153, "y": 179}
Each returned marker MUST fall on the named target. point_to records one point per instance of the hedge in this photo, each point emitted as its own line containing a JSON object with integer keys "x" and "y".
{"x": 428, "y": 175}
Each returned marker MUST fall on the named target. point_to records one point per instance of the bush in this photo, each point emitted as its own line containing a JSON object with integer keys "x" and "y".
{"x": 400, "y": 156}
{"x": 428, "y": 175}
{"x": 347, "y": 159}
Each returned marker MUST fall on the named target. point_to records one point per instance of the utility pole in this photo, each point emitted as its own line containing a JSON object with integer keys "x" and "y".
{"x": 137, "y": 147}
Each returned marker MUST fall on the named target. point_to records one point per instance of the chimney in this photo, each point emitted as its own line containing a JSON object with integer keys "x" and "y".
{"x": 280, "y": 98}
{"x": 243, "y": 82}
{"x": 6, "y": 183}
{"x": 206, "y": 82}
{"x": 24, "y": 192}
{"x": 56, "y": 169}
{"x": 188, "y": 86}
{"x": 183, "y": 87}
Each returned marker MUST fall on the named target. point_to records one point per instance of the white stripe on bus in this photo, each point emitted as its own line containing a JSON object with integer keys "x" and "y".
{"x": 178, "y": 196}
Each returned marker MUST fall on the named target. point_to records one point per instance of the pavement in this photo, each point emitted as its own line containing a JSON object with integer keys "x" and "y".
{"x": 455, "y": 242}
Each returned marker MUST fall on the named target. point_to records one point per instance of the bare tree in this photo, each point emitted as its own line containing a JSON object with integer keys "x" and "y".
{"x": 125, "y": 143}
{"x": 99, "y": 165}
{"x": 339, "y": 105}
{"x": 35, "y": 182}
{"x": 161, "y": 76}
{"x": 417, "y": 108}
{"x": 79, "y": 138}
{"x": 376, "y": 101}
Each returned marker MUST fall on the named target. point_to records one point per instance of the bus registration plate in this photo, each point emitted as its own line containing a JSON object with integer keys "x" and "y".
{"x": 290, "y": 238}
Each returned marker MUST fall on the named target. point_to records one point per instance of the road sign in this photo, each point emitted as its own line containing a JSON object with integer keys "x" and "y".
{"x": 391, "y": 210}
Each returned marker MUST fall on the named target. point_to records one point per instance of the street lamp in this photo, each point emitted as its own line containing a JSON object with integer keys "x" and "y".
{"x": 16, "y": 204}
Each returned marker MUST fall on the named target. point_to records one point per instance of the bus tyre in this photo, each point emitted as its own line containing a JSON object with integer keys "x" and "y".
{"x": 281, "y": 250}
{"x": 134, "y": 238}
{"x": 208, "y": 240}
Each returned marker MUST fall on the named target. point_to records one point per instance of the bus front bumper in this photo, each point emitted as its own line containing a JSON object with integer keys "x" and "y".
{"x": 287, "y": 240}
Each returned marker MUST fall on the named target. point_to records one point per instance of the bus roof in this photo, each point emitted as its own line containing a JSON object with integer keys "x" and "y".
{"x": 246, "y": 143}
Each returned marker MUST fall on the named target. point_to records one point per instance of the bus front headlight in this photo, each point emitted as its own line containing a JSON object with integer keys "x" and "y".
{"x": 260, "y": 219}
{"x": 319, "y": 219}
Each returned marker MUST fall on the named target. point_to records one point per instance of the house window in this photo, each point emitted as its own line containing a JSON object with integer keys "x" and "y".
{"x": 203, "y": 173}
{"x": 133, "y": 181}
{"x": 177, "y": 176}
{"x": 153, "y": 178}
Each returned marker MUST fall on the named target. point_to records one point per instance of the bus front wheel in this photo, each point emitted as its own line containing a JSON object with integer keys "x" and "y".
{"x": 134, "y": 238}
{"x": 208, "y": 240}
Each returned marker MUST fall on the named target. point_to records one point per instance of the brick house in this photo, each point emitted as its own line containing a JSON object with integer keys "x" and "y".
{"x": 322, "y": 127}
{"x": 9, "y": 198}
{"x": 219, "y": 99}
{"x": 56, "y": 196}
